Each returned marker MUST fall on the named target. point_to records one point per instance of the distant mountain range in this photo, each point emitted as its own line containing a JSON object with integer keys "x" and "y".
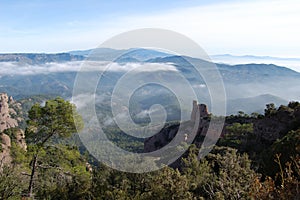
{"x": 250, "y": 57}
{"x": 103, "y": 54}
{"x": 138, "y": 55}
{"x": 258, "y": 102}
{"x": 39, "y": 58}
{"x": 248, "y": 86}
{"x": 293, "y": 63}
{"x": 241, "y": 73}
{"x": 107, "y": 54}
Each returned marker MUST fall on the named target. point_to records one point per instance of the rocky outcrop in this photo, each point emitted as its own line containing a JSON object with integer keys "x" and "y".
{"x": 20, "y": 139}
{"x": 8, "y": 115}
{"x": 5, "y": 119}
{"x": 266, "y": 129}
{"x": 5, "y": 157}
{"x": 199, "y": 110}
{"x": 160, "y": 139}
{"x": 255, "y": 141}
{"x": 193, "y": 129}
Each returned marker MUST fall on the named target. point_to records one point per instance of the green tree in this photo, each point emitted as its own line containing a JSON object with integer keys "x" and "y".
{"x": 62, "y": 174}
{"x": 58, "y": 118}
{"x": 234, "y": 177}
{"x": 294, "y": 104}
{"x": 270, "y": 109}
{"x": 237, "y": 135}
{"x": 198, "y": 172}
{"x": 167, "y": 183}
{"x": 287, "y": 147}
{"x": 11, "y": 184}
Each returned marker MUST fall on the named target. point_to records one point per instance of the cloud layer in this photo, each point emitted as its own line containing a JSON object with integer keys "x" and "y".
{"x": 14, "y": 68}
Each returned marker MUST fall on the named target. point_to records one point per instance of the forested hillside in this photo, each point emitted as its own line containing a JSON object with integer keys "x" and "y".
{"x": 256, "y": 157}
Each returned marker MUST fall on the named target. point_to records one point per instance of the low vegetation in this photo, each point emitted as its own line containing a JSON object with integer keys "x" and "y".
{"x": 234, "y": 169}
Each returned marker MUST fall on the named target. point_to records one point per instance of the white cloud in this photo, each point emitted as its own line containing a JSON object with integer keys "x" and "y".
{"x": 256, "y": 27}
{"x": 82, "y": 100}
{"x": 142, "y": 67}
{"x": 15, "y": 68}
{"x": 199, "y": 86}
{"x": 147, "y": 112}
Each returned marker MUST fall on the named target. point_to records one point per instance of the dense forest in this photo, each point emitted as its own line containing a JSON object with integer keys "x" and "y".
{"x": 245, "y": 163}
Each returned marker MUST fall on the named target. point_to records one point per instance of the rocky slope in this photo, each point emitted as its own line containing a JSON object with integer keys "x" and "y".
{"x": 194, "y": 129}
{"x": 275, "y": 124}
{"x": 8, "y": 119}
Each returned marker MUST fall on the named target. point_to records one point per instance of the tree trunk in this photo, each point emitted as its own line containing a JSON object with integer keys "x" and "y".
{"x": 30, "y": 188}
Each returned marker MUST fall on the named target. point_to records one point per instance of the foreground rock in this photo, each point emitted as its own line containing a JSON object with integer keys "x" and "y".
{"x": 8, "y": 120}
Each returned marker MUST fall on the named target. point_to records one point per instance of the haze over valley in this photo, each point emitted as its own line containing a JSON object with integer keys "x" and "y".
{"x": 23, "y": 75}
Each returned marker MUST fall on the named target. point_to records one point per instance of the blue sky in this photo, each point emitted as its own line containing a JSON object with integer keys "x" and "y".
{"x": 26, "y": 16}
{"x": 265, "y": 27}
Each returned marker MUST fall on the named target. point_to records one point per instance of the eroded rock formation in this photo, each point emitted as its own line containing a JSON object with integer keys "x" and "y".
{"x": 266, "y": 129}
{"x": 7, "y": 121}
{"x": 199, "y": 110}
{"x": 5, "y": 145}
{"x": 5, "y": 118}
{"x": 189, "y": 131}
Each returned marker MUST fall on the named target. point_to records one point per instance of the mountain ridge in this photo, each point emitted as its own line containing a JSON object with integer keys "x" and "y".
{"x": 38, "y": 58}
{"x": 240, "y": 81}
{"x": 126, "y": 55}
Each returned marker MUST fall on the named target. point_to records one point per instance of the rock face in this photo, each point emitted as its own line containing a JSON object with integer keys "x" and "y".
{"x": 7, "y": 122}
{"x": 160, "y": 139}
{"x": 199, "y": 110}
{"x": 266, "y": 129}
{"x": 20, "y": 139}
{"x": 5, "y": 157}
{"x": 5, "y": 119}
{"x": 193, "y": 129}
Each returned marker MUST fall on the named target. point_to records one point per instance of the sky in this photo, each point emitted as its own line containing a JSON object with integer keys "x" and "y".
{"x": 250, "y": 27}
